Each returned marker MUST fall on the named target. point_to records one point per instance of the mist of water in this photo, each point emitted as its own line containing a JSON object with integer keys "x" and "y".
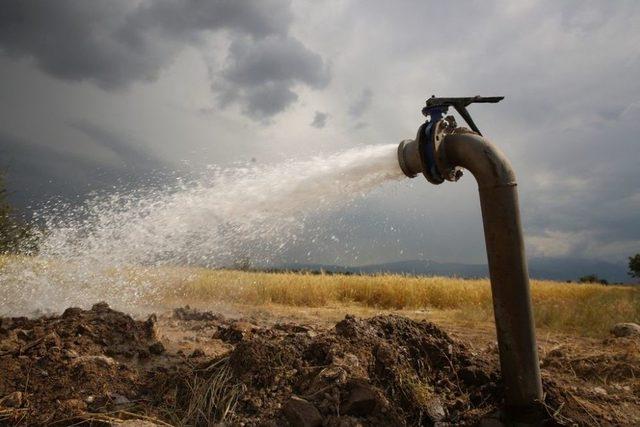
{"x": 108, "y": 248}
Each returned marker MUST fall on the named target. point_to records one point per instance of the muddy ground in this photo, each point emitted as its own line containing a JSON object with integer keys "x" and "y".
{"x": 190, "y": 367}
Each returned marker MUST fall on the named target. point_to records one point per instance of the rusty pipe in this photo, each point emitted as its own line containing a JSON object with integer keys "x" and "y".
{"x": 506, "y": 255}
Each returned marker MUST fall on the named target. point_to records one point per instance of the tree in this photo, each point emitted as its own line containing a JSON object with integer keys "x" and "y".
{"x": 634, "y": 266}
{"x": 15, "y": 234}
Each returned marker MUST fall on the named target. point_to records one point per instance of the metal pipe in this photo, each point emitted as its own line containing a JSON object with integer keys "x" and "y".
{"x": 507, "y": 261}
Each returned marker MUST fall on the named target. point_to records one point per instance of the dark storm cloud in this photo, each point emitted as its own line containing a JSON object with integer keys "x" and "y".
{"x": 38, "y": 172}
{"x": 182, "y": 18}
{"x": 77, "y": 40}
{"x": 114, "y": 43}
{"x": 51, "y": 172}
{"x": 361, "y": 104}
{"x": 260, "y": 74}
{"x": 319, "y": 119}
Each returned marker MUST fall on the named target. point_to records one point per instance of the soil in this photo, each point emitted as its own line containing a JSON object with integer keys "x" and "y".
{"x": 190, "y": 367}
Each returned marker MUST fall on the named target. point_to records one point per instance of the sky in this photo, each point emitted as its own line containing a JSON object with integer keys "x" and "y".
{"x": 100, "y": 94}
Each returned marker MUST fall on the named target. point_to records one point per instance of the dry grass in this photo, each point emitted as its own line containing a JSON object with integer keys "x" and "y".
{"x": 585, "y": 309}
{"x": 209, "y": 396}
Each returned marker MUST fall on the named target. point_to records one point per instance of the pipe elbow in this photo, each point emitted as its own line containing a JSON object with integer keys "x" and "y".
{"x": 484, "y": 160}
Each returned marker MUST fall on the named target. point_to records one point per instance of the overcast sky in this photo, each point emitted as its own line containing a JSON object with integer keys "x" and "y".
{"x": 96, "y": 93}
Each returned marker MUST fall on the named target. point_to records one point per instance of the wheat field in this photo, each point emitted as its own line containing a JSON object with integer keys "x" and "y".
{"x": 585, "y": 309}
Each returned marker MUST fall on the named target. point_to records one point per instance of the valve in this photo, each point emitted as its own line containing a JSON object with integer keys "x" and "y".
{"x": 423, "y": 154}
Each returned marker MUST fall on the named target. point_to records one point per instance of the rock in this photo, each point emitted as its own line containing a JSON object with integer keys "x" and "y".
{"x": 100, "y": 361}
{"x": 13, "y": 400}
{"x": 119, "y": 399}
{"x": 156, "y": 348}
{"x": 301, "y": 413}
{"x": 626, "y": 330}
{"x": 600, "y": 390}
{"x": 333, "y": 374}
{"x": 362, "y": 400}
{"x": 435, "y": 410}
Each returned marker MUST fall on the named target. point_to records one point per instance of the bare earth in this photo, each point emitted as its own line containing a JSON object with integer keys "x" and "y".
{"x": 293, "y": 366}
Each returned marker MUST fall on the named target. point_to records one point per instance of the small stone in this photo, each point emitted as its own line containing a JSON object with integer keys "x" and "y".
{"x": 333, "y": 373}
{"x": 301, "y": 413}
{"x": 362, "y": 400}
{"x": 101, "y": 361}
{"x": 435, "y": 410}
{"x": 600, "y": 390}
{"x": 89, "y": 399}
{"x": 626, "y": 330}
{"x": 119, "y": 399}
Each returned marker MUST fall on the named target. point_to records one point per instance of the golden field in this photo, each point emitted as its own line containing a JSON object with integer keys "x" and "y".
{"x": 584, "y": 309}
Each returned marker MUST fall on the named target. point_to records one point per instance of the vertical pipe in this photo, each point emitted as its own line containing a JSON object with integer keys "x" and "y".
{"x": 511, "y": 301}
{"x": 507, "y": 269}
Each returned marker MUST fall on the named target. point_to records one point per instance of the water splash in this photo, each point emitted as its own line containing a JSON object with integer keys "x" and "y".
{"x": 111, "y": 247}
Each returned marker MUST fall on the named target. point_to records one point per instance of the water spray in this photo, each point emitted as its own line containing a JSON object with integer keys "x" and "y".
{"x": 440, "y": 150}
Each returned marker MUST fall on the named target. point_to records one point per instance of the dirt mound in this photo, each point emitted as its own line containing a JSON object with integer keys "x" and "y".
{"x": 387, "y": 370}
{"x": 100, "y": 366}
{"x": 57, "y": 368}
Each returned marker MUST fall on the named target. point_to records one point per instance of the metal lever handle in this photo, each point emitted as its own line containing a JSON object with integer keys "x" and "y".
{"x": 460, "y": 104}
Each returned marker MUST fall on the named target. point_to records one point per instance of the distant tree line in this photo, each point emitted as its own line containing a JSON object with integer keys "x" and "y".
{"x": 634, "y": 271}
{"x": 592, "y": 278}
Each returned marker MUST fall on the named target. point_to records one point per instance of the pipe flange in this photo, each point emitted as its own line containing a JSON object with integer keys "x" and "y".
{"x": 442, "y": 128}
{"x": 436, "y": 168}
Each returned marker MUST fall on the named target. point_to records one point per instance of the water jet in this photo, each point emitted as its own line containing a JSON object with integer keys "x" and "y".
{"x": 440, "y": 150}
